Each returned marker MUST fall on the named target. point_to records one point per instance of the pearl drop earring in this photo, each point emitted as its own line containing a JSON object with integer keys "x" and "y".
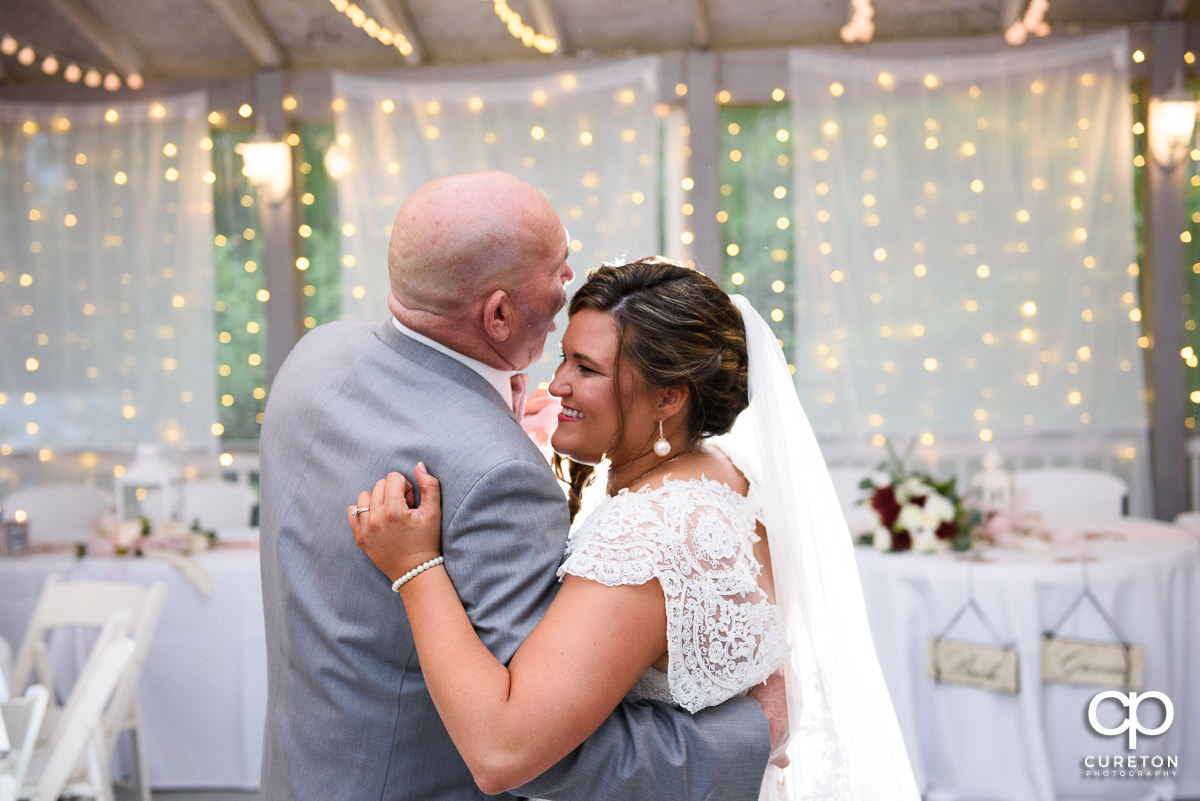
{"x": 661, "y": 446}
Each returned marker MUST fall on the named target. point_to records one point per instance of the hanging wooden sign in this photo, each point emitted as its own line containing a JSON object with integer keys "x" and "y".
{"x": 16, "y": 538}
{"x": 989, "y": 667}
{"x": 1103, "y": 664}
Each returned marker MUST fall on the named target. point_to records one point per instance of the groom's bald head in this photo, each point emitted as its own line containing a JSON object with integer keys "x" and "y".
{"x": 478, "y": 262}
{"x": 457, "y": 239}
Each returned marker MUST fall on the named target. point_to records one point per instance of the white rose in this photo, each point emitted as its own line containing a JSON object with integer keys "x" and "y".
{"x": 925, "y": 541}
{"x": 939, "y": 508}
{"x": 912, "y": 518}
{"x": 882, "y": 539}
{"x": 912, "y": 488}
{"x": 880, "y": 479}
{"x": 127, "y": 534}
{"x": 868, "y": 519}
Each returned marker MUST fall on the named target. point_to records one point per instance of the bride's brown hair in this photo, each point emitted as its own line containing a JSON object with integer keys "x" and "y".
{"x": 675, "y": 326}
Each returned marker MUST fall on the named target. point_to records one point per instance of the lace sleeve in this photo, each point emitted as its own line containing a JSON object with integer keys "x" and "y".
{"x": 619, "y": 544}
{"x": 697, "y": 538}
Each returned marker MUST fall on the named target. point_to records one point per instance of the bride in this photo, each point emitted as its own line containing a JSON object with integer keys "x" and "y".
{"x": 713, "y": 562}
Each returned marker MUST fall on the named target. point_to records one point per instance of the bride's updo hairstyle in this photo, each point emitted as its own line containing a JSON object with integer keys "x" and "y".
{"x": 675, "y": 326}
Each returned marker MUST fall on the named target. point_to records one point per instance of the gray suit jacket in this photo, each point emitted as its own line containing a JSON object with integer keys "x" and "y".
{"x": 348, "y": 715}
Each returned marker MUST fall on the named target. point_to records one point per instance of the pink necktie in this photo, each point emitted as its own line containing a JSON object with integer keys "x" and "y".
{"x": 520, "y": 391}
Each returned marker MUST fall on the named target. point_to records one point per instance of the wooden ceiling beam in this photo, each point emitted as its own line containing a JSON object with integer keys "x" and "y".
{"x": 547, "y": 22}
{"x": 393, "y": 14}
{"x": 701, "y": 25}
{"x": 1010, "y": 12}
{"x": 1172, "y": 9}
{"x": 244, "y": 22}
{"x": 116, "y": 49}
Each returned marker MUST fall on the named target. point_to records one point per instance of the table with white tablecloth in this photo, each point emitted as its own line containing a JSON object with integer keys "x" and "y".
{"x": 968, "y": 743}
{"x": 203, "y": 689}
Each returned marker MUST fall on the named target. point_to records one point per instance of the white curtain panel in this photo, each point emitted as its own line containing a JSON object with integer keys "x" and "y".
{"x": 965, "y": 253}
{"x": 106, "y": 282}
{"x": 589, "y": 138}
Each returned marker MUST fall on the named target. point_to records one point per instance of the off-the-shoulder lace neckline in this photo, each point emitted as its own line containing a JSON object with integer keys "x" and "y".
{"x": 702, "y": 481}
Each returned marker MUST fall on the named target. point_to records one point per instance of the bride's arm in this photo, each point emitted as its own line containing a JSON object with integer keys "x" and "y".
{"x": 511, "y": 723}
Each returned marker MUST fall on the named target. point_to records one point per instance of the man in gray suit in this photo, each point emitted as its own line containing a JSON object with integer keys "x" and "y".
{"x": 477, "y": 266}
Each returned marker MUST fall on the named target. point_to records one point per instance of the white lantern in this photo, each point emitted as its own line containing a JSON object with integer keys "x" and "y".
{"x": 1172, "y": 119}
{"x": 268, "y": 165}
{"x": 993, "y": 486}
{"x": 149, "y": 488}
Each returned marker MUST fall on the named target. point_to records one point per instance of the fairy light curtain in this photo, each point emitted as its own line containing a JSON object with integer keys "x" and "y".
{"x": 588, "y": 138}
{"x": 106, "y": 284}
{"x": 965, "y": 254}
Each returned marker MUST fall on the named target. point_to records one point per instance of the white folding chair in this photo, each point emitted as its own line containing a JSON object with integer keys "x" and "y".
{"x": 1070, "y": 492}
{"x": 59, "y": 513}
{"x": 5, "y": 668}
{"x": 91, "y": 604}
{"x": 79, "y": 737}
{"x": 20, "y": 723}
{"x": 1190, "y": 521}
{"x": 218, "y": 504}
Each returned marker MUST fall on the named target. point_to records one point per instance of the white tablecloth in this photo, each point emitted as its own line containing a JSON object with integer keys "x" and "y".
{"x": 204, "y": 687}
{"x": 969, "y": 744}
{"x": 6, "y": 657}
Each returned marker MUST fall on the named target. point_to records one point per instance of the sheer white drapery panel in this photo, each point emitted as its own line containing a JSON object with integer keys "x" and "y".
{"x": 107, "y": 290}
{"x": 965, "y": 249}
{"x": 588, "y": 138}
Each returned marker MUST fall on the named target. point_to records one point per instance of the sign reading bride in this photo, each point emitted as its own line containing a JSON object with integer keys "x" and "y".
{"x": 988, "y": 667}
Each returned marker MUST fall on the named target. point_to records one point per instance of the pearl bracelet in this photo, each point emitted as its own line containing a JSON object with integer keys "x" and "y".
{"x": 416, "y": 571}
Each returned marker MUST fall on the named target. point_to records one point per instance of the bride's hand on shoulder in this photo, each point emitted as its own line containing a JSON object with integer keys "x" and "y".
{"x": 396, "y": 535}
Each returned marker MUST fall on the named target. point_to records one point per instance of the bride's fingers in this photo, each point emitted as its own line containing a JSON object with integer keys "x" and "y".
{"x": 398, "y": 490}
{"x": 356, "y": 520}
{"x": 378, "y": 496}
{"x": 431, "y": 491}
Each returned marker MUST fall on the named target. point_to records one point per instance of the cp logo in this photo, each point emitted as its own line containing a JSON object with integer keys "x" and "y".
{"x": 1131, "y": 723}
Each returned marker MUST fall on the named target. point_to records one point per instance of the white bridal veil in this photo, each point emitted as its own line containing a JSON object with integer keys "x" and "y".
{"x": 846, "y": 743}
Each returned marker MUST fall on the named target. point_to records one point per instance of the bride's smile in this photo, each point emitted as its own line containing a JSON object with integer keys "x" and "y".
{"x": 590, "y": 425}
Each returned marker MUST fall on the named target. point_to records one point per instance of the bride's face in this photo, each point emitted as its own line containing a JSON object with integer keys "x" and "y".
{"x": 589, "y": 424}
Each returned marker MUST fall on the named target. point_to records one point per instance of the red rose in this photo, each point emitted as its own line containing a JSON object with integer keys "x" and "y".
{"x": 947, "y": 530}
{"x": 901, "y": 541}
{"x": 883, "y": 501}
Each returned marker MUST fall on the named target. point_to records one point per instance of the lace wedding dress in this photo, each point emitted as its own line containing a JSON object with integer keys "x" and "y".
{"x": 697, "y": 538}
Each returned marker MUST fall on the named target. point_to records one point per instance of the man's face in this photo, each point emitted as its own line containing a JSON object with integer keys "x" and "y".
{"x": 537, "y": 301}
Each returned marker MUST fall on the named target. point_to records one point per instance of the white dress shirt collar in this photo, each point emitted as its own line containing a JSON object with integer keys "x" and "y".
{"x": 497, "y": 378}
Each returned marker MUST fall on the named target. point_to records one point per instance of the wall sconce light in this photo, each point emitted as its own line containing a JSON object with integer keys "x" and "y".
{"x": 268, "y": 165}
{"x": 337, "y": 161}
{"x": 1172, "y": 121}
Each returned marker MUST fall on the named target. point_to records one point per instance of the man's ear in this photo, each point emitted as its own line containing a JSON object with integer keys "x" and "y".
{"x": 499, "y": 316}
{"x": 671, "y": 401}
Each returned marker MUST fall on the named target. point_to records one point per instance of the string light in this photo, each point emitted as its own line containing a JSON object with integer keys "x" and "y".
{"x": 861, "y": 26}
{"x": 372, "y": 28}
{"x": 26, "y": 54}
{"x": 522, "y": 32}
{"x": 1033, "y": 22}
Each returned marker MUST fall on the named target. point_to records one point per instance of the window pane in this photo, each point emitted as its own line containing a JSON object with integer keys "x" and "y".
{"x": 241, "y": 316}
{"x": 756, "y": 210}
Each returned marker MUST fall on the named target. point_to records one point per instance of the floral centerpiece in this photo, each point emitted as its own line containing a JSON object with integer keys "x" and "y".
{"x": 910, "y": 510}
{"x": 135, "y": 537}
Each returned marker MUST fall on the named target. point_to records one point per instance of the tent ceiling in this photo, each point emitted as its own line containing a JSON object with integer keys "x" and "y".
{"x": 188, "y": 39}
